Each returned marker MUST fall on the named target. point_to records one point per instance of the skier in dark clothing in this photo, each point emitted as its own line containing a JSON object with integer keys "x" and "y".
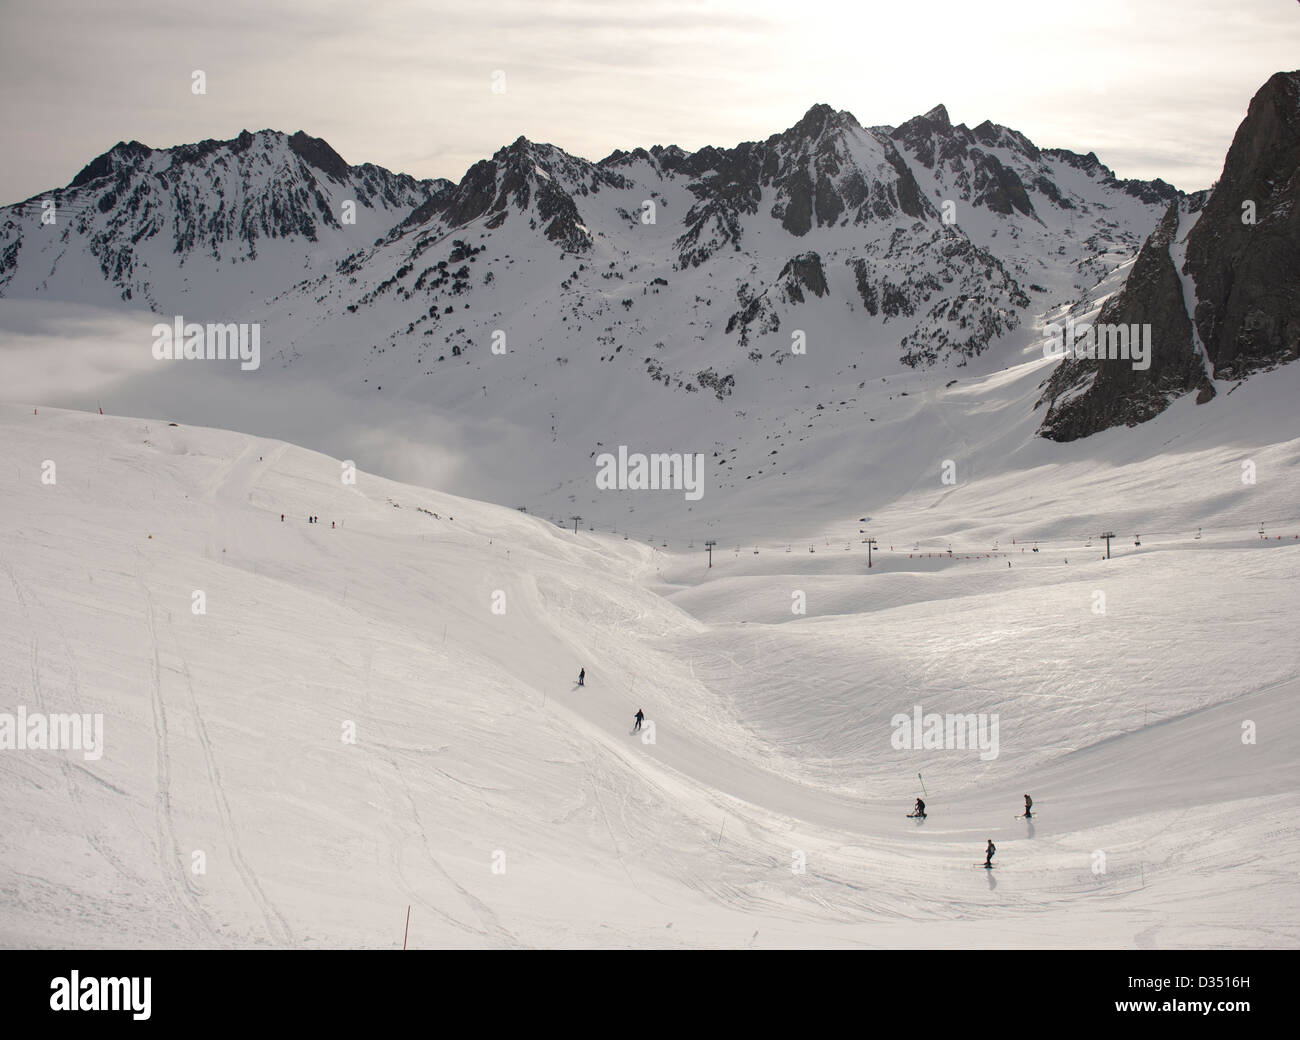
{"x": 640, "y": 716}
{"x": 582, "y": 674}
{"x": 1029, "y": 804}
{"x": 988, "y": 853}
{"x": 920, "y": 809}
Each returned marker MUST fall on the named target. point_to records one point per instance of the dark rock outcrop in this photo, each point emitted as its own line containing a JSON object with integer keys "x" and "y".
{"x": 1086, "y": 395}
{"x": 804, "y": 272}
{"x": 524, "y": 177}
{"x": 809, "y": 172}
{"x": 317, "y": 153}
{"x": 1247, "y": 275}
{"x": 1242, "y": 275}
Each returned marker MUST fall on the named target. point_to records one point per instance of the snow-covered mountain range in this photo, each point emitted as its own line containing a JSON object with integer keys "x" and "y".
{"x": 757, "y": 304}
{"x": 862, "y": 204}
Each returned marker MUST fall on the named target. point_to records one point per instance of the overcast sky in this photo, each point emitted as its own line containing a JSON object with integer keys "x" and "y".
{"x": 1154, "y": 87}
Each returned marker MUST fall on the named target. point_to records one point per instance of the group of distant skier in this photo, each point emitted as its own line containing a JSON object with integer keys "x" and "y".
{"x": 310, "y": 520}
{"x": 639, "y": 716}
{"x": 918, "y": 812}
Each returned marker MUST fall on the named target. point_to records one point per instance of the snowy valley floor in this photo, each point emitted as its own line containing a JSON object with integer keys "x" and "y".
{"x": 507, "y": 807}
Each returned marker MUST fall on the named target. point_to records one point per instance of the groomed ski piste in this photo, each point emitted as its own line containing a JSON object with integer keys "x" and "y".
{"x": 380, "y": 710}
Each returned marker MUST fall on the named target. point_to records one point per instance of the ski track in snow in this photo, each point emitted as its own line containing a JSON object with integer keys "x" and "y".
{"x": 488, "y": 928}
{"x": 90, "y": 828}
{"x": 185, "y": 894}
{"x": 277, "y": 927}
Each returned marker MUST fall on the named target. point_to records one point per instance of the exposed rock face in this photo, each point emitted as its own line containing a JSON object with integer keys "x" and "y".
{"x": 968, "y": 303}
{"x": 320, "y": 155}
{"x": 1085, "y": 395}
{"x": 119, "y": 159}
{"x": 967, "y": 162}
{"x": 761, "y": 313}
{"x": 1247, "y": 276}
{"x": 726, "y": 186}
{"x": 985, "y": 181}
{"x": 825, "y": 170}
{"x": 804, "y": 272}
{"x": 538, "y": 181}
{"x": 1242, "y": 289}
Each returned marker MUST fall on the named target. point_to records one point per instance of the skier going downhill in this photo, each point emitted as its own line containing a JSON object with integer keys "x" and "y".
{"x": 582, "y": 674}
{"x": 988, "y": 854}
{"x": 920, "y": 809}
{"x": 640, "y": 716}
{"x": 1029, "y": 804}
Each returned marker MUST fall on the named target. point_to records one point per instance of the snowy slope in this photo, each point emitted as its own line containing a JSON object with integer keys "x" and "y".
{"x": 224, "y": 729}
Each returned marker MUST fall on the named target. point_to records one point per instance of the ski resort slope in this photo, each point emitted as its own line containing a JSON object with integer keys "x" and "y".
{"x": 380, "y": 710}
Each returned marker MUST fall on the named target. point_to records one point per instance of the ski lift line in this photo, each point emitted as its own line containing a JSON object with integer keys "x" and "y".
{"x": 1291, "y": 526}
{"x": 1250, "y": 527}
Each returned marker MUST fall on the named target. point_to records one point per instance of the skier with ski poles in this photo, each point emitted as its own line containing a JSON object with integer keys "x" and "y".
{"x": 988, "y": 854}
{"x": 920, "y": 809}
{"x": 582, "y": 674}
{"x": 640, "y": 716}
{"x": 1029, "y": 804}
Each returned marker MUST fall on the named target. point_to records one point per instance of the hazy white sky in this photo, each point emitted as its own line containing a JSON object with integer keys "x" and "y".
{"x": 1154, "y": 87}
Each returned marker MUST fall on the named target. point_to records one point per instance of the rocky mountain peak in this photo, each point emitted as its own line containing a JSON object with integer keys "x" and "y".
{"x": 1215, "y": 283}
{"x": 820, "y": 119}
{"x": 123, "y": 155}
{"x": 317, "y": 153}
{"x": 939, "y": 117}
{"x": 1244, "y": 252}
